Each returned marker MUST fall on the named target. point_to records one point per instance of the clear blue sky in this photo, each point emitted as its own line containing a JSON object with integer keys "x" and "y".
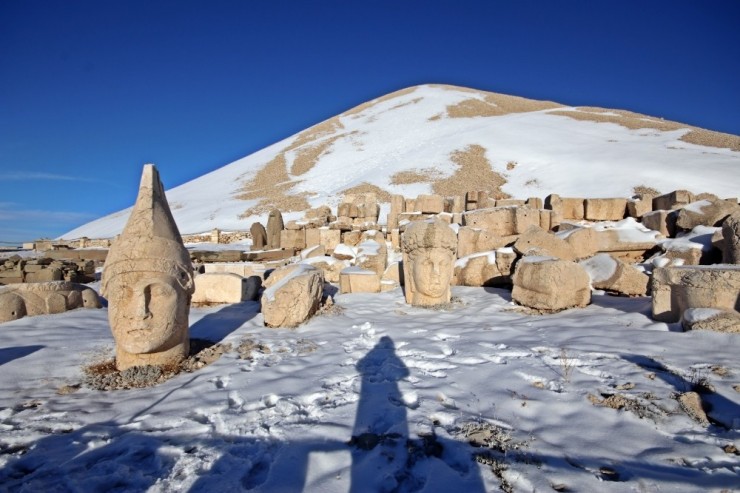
{"x": 92, "y": 90}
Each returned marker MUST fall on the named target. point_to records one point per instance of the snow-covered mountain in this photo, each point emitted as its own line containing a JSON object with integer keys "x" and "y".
{"x": 445, "y": 139}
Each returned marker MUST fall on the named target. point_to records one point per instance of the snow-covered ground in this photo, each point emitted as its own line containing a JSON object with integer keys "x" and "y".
{"x": 408, "y": 383}
{"x": 552, "y": 153}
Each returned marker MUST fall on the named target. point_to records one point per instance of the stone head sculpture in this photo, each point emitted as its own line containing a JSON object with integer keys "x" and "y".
{"x": 428, "y": 262}
{"x": 148, "y": 281}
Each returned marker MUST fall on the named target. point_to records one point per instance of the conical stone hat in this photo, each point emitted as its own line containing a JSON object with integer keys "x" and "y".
{"x": 150, "y": 241}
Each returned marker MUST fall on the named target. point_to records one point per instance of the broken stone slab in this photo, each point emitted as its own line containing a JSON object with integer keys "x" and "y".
{"x": 372, "y": 255}
{"x": 705, "y": 213}
{"x": 673, "y": 200}
{"x": 712, "y": 319}
{"x": 206, "y": 256}
{"x": 28, "y": 300}
{"x": 243, "y": 269}
{"x": 292, "y": 295}
{"x": 536, "y": 241}
{"x": 549, "y": 284}
{"x": 45, "y": 275}
{"x": 358, "y": 280}
{"x": 663, "y": 221}
{"x": 492, "y": 268}
{"x": 329, "y": 265}
{"x": 613, "y": 209}
{"x": 678, "y": 288}
{"x": 222, "y": 287}
{"x": 316, "y": 251}
{"x": 611, "y": 274}
{"x": 693, "y": 248}
{"x": 625, "y": 239}
{"x": 268, "y": 255}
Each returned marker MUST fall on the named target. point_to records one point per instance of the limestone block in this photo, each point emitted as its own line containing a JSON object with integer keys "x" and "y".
{"x": 430, "y": 204}
{"x": 395, "y": 239}
{"x": 45, "y": 298}
{"x": 663, "y": 221}
{"x": 546, "y": 219}
{"x": 358, "y": 280}
{"x": 731, "y": 235}
{"x": 524, "y": 217}
{"x": 329, "y": 238}
{"x": 293, "y": 238}
{"x": 274, "y": 227}
{"x": 268, "y": 255}
{"x": 352, "y": 238}
{"x": 500, "y": 222}
{"x": 45, "y": 275}
{"x": 678, "y": 288}
{"x": 491, "y": 268}
{"x": 605, "y": 209}
{"x": 330, "y": 266}
{"x": 292, "y": 295}
{"x": 259, "y": 236}
{"x": 536, "y": 241}
{"x": 394, "y": 272}
{"x": 322, "y": 213}
{"x": 398, "y": 205}
{"x": 457, "y": 218}
{"x": 314, "y": 251}
{"x": 344, "y": 252}
{"x": 343, "y": 223}
{"x": 510, "y": 203}
{"x": 295, "y": 225}
{"x": 219, "y": 287}
{"x": 627, "y": 242}
{"x": 313, "y": 237}
{"x": 535, "y": 203}
{"x": 458, "y": 205}
{"x": 611, "y": 274}
{"x": 549, "y": 284}
{"x": 474, "y": 240}
{"x": 555, "y": 204}
{"x": 711, "y": 319}
{"x": 372, "y": 255}
{"x": 705, "y": 213}
{"x": 672, "y": 200}
{"x": 242, "y": 269}
{"x": 637, "y": 208}
{"x": 347, "y": 209}
{"x": 410, "y": 205}
{"x": 205, "y": 256}
{"x": 573, "y": 208}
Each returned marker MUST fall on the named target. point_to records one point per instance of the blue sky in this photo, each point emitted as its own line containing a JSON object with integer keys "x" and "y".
{"x": 92, "y": 90}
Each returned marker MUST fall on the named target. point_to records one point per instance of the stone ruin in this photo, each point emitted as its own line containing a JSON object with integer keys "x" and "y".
{"x": 682, "y": 249}
{"x": 44, "y": 298}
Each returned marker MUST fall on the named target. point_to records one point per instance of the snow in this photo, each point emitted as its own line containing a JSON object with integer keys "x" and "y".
{"x": 297, "y": 270}
{"x": 283, "y": 420}
{"x": 600, "y": 267}
{"x": 554, "y": 154}
{"x": 693, "y": 315}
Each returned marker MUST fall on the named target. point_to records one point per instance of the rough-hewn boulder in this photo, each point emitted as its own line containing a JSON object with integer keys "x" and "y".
{"x": 678, "y": 288}
{"x": 292, "y": 295}
{"x": 731, "y": 235}
{"x": 536, "y": 241}
{"x": 611, "y": 274}
{"x": 550, "y": 284}
{"x": 711, "y": 319}
{"x": 705, "y": 213}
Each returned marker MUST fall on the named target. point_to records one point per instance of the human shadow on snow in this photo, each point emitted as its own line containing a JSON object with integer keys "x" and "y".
{"x": 8, "y": 354}
{"x": 383, "y": 455}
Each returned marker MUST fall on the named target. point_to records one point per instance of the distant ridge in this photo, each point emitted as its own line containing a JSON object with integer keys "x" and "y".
{"x": 448, "y": 140}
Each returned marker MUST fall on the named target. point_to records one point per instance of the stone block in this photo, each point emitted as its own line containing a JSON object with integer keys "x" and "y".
{"x": 678, "y": 288}
{"x": 45, "y": 275}
{"x": 314, "y": 251}
{"x": 358, "y": 280}
{"x": 614, "y": 275}
{"x": 637, "y": 208}
{"x": 293, "y": 238}
{"x": 711, "y": 319}
{"x": 292, "y": 295}
{"x": 242, "y": 269}
{"x": 705, "y": 213}
{"x": 313, "y": 237}
{"x": 492, "y": 268}
{"x": 430, "y": 204}
{"x": 605, "y": 209}
{"x": 731, "y": 236}
{"x": 573, "y": 208}
{"x": 352, "y": 238}
{"x": 510, "y": 203}
{"x": 220, "y": 287}
{"x": 663, "y": 221}
{"x": 550, "y": 285}
{"x": 535, "y": 203}
{"x": 536, "y": 241}
{"x": 474, "y": 240}
{"x": 673, "y": 200}
{"x": 205, "y": 256}
{"x": 546, "y": 219}
{"x": 500, "y": 222}
{"x": 330, "y": 266}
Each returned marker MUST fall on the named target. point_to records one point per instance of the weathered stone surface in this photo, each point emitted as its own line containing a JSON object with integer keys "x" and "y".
{"x": 605, "y": 209}
{"x": 485, "y": 269}
{"x": 611, "y": 274}
{"x": 293, "y": 238}
{"x": 640, "y": 206}
{"x": 45, "y": 275}
{"x": 500, "y": 222}
{"x": 535, "y": 203}
{"x": 274, "y": 227}
{"x": 330, "y": 266}
{"x": 546, "y": 219}
{"x": 148, "y": 280}
{"x": 663, "y": 221}
{"x": 292, "y": 295}
{"x": 430, "y": 204}
{"x": 711, "y": 319}
{"x": 535, "y": 241}
{"x": 428, "y": 262}
{"x": 678, "y": 288}
{"x": 46, "y": 298}
{"x": 573, "y": 208}
{"x": 372, "y": 255}
{"x": 673, "y": 200}
{"x": 206, "y": 256}
{"x": 329, "y": 238}
{"x": 313, "y": 237}
{"x": 731, "y": 235}
{"x": 510, "y": 202}
{"x": 315, "y": 251}
{"x": 268, "y": 255}
{"x": 358, "y": 280}
{"x": 474, "y": 240}
{"x": 220, "y": 287}
{"x": 627, "y": 243}
{"x": 352, "y": 238}
{"x": 398, "y": 205}
{"x": 705, "y": 213}
{"x": 549, "y": 284}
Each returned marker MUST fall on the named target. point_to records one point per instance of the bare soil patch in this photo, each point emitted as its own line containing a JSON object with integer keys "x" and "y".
{"x": 383, "y": 195}
{"x": 308, "y": 156}
{"x": 105, "y": 376}
{"x": 364, "y": 106}
{"x": 424, "y": 175}
{"x": 474, "y": 173}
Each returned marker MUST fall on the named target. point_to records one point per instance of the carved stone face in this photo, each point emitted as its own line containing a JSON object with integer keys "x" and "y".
{"x": 148, "y": 311}
{"x": 431, "y": 269}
